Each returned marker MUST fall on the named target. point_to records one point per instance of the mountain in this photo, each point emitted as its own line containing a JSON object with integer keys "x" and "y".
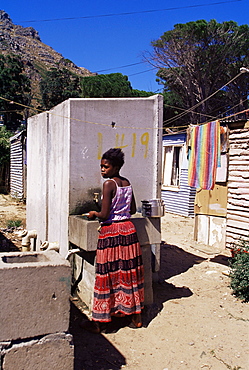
{"x": 38, "y": 57}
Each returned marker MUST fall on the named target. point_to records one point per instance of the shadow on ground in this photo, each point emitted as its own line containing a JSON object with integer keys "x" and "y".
{"x": 92, "y": 351}
{"x": 174, "y": 261}
{"x": 6, "y": 245}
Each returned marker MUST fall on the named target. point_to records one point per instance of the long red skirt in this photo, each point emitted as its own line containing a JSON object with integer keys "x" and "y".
{"x": 119, "y": 281}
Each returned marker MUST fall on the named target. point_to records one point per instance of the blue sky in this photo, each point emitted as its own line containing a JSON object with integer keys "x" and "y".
{"x": 107, "y": 43}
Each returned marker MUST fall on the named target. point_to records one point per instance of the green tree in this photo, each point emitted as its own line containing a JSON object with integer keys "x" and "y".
{"x": 14, "y": 88}
{"x": 110, "y": 85}
{"x": 58, "y": 85}
{"x": 196, "y": 59}
{"x": 141, "y": 93}
{"x": 106, "y": 86}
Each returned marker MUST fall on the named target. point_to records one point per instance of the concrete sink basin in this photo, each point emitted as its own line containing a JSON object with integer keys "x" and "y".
{"x": 84, "y": 233}
{"x": 35, "y": 289}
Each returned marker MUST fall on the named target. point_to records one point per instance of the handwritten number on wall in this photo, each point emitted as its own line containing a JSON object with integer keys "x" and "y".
{"x": 120, "y": 143}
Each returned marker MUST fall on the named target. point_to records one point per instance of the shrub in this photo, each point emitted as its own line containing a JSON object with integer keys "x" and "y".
{"x": 240, "y": 270}
{"x": 13, "y": 223}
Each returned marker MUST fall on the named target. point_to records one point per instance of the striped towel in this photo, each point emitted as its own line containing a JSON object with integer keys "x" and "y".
{"x": 204, "y": 155}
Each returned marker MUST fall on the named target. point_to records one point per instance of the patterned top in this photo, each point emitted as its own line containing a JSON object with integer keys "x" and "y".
{"x": 121, "y": 203}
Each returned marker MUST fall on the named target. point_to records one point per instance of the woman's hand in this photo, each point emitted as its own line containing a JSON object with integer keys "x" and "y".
{"x": 92, "y": 215}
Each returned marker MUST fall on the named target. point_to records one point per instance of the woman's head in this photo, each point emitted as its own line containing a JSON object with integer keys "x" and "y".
{"x": 115, "y": 157}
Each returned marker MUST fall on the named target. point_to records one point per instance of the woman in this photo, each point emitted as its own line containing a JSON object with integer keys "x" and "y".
{"x": 118, "y": 289}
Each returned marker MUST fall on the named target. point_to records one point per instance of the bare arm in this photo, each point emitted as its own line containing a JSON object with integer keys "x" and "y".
{"x": 133, "y": 205}
{"x": 108, "y": 191}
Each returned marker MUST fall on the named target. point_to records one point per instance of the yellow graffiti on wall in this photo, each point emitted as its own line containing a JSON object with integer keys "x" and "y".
{"x": 120, "y": 143}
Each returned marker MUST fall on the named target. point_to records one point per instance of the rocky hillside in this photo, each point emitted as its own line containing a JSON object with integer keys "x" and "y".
{"x": 37, "y": 56}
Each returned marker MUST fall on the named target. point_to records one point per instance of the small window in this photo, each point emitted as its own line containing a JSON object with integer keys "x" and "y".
{"x": 171, "y": 165}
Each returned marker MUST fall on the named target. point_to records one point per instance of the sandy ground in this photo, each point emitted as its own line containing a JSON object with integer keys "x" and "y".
{"x": 194, "y": 323}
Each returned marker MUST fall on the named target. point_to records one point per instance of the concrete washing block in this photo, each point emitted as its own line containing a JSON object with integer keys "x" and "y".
{"x": 35, "y": 289}
{"x": 84, "y": 233}
{"x": 54, "y": 351}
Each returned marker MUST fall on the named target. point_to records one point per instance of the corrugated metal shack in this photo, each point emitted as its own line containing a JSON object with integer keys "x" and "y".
{"x": 222, "y": 214}
{"x": 238, "y": 187}
{"x": 18, "y": 166}
{"x": 177, "y": 195}
{"x": 211, "y": 205}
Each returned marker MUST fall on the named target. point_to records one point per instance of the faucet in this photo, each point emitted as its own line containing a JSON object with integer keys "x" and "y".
{"x": 96, "y": 197}
{"x": 96, "y": 200}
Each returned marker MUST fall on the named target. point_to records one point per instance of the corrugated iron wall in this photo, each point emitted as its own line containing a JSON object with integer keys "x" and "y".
{"x": 182, "y": 201}
{"x": 238, "y": 187}
{"x": 179, "y": 201}
{"x": 17, "y": 170}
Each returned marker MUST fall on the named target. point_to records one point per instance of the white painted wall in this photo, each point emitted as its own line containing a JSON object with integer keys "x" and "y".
{"x": 64, "y": 151}
{"x": 37, "y": 163}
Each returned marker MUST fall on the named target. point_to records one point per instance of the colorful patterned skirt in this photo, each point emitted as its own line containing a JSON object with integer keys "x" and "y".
{"x": 119, "y": 272}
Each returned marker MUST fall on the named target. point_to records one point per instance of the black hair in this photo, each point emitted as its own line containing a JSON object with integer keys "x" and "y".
{"x": 115, "y": 156}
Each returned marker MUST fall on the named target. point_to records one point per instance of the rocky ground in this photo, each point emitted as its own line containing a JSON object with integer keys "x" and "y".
{"x": 194, "y": 323}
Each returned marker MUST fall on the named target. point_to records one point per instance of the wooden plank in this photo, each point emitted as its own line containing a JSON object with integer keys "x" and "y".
{"x": 242, "y": 184}
{"x": 212, "y": 202}
{"x": 238, "y": 217}
{"x": 238, "y": 224}
{"x": 233, "y": 208}
{"x": 239, "y": 202}
{"x": 236, "y": 232}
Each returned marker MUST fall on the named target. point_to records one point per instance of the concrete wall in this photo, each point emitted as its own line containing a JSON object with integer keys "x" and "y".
{"x": 37, "y": 169}
{"x": 64, "y": 150}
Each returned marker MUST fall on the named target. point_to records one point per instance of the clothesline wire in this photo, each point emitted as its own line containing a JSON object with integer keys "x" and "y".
{"x": 77, "y": 119}
{"x": 202, "y": 114}
{"x": 198, "y": 113}
{"x": 147, "y": 128}
{"x": 170, "y": 120}
{"x": 200, "y": 124}
{"x": 182, "y": 131}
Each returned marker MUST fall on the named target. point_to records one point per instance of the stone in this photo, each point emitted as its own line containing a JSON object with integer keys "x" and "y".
{"x": 54, "y": 351}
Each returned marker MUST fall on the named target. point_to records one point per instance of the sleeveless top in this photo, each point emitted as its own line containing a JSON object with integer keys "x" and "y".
{"x": 121, "y": 203}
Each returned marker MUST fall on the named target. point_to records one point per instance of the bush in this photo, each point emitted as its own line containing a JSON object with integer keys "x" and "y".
{"x": 13, "y": 223}
{"x": 240, "y": 270}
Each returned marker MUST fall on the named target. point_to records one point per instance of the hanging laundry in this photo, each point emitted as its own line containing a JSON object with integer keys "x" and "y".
{"x": 204, "y": 155}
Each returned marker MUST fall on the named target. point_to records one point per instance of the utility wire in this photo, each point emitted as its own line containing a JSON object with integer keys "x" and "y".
{"x": 127, "y": 65}
{"x": 130, "y": 13}
{"x": 138, "y": 73}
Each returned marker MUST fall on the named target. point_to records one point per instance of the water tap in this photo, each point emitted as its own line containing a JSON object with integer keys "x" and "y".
{"x": 96, "y": 197}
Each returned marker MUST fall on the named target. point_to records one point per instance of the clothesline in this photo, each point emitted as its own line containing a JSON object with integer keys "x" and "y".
{"x": 204, "y": 123}
{"x": 103, "y": 124}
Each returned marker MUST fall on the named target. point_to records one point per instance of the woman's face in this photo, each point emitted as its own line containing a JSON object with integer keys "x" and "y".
{"x": 107, "y": 169}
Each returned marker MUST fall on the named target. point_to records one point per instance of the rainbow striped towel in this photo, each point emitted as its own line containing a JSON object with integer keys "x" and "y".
{"x": 204, "y": 155}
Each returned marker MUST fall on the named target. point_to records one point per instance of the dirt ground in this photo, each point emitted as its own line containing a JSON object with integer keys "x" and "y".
{"x": 12, "y": 213}
{"x": 194, "y": 323}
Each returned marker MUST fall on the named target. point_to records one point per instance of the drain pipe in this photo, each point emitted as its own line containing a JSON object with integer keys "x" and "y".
{"x": 26, "y": 236}
{"x": 71, "y": 252}
{"x": 46, "y": 246}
